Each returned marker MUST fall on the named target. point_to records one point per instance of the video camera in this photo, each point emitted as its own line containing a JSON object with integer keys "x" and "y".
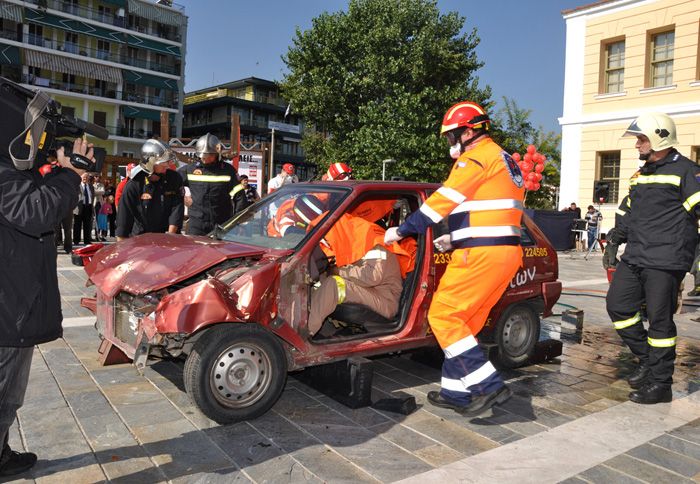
{"x": 19, "y": 108}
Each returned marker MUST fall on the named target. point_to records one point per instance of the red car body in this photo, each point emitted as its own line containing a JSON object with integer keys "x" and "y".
{"x": 159, "y": 294}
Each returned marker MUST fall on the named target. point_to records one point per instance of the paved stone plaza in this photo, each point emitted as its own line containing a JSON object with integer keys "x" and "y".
{"x": 569, "y": 421}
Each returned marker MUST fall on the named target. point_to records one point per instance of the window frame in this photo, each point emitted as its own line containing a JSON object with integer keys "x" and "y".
{"x": 613, "y": 181}
{"x": 606, "y": 70}
{"x": 652, "y": 62}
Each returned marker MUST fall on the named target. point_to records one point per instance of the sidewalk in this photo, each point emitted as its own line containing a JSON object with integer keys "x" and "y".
{"x": 569, "y": 420}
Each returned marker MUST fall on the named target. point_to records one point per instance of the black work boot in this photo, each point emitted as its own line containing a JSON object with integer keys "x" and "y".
{"x": 652, "y": 393}
{"x": 482, "y": 403}
{"x": 639, "y": 376}
{"x": 13, "y": 463}
{"x": 439, "y": 401}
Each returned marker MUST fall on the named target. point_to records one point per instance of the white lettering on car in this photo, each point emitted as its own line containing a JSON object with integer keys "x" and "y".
{"x": 523, "y": 277}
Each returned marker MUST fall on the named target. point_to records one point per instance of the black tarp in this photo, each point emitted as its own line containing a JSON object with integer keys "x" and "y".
{"x": 556, "y": 226}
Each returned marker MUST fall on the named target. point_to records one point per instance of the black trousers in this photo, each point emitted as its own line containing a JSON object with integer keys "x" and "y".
{"x": 199, "y": 227}
{"x": 14, "y": 376}
{"x": 630, "y": 287}
{"x": 83, "y": 222}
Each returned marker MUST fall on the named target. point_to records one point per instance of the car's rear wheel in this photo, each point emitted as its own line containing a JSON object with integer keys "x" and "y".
{"x": 235, "y": 372}
{"x": 516, "y": 335}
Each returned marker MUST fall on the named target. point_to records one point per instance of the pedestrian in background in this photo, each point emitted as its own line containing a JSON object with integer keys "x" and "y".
{"x": 661, "y": 233}
{"x": 106, "y": 209}
{"x": 593, "y": 218}
{"x": 284, "y": 177}
{"x": 84, "y": 211}
{"x": 243, "y": 195}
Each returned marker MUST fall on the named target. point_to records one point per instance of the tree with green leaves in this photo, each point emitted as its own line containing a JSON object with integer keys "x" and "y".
{"x": 376, "y": 80}
{"x": 513, "y": 130}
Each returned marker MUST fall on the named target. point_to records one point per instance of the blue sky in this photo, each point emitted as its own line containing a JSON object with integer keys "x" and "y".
{"x": 522, "y": 44}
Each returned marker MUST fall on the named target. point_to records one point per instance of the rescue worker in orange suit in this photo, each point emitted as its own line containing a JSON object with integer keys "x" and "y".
{"x": 367, "y": 272}
{"x": 338, "y": 172}
{"x": 483, "y": 200}
{"x": 661, "y": 238}
{"x": 210, "y": 181}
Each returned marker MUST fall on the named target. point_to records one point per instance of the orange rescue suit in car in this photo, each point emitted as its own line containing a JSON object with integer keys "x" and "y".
{"x": 483, "y": 200}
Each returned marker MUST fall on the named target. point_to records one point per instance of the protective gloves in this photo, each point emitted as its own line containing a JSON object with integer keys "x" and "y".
{"x": 442, "y": 243}
{"x": 392, "y": 235}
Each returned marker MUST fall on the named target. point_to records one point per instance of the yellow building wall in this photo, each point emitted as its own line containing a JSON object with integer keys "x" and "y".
{"x": 633, "y": 25}
{"x": 608, "y": 137}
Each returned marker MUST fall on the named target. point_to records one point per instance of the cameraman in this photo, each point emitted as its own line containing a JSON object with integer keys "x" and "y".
{"x": 32, "y": 203}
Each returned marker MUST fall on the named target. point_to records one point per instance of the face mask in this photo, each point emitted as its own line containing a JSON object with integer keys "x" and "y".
{"x": 455, "y": 150}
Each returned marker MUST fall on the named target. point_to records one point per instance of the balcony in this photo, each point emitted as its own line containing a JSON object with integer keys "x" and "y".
{"x": 110, "y": 92}
{"x": 107, "y": 17}
{"x": 101, "y": 54}
{"x": 10, "y": 35}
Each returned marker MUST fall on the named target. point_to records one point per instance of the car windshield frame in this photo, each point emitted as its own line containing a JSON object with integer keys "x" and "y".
{"x": 250, "y": 227}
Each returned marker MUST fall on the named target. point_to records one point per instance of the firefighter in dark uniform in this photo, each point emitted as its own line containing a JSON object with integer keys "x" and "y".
{"x": 661, "y": 237}
{"x": 210, "y": 181}
{"x": 152, "y": 201}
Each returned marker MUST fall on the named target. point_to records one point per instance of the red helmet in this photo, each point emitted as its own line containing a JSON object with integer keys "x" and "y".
{"x": 307, "y": 208}
{"x": 130, "y": 167}
{"x": 338, "y": 171}
{"x": 466, "y": 114}
{"x": 289, "y": 168}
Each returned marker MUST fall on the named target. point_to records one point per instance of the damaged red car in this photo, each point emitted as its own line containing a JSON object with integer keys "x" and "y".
{"x": 235, "y": 304}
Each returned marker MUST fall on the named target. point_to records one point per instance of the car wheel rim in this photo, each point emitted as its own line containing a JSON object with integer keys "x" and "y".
{"x": 241, "y": 375}
{"x": 516, "y": 334}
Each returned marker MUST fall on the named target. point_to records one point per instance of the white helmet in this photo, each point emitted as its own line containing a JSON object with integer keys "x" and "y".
{"x": 154, "y": 152}
{"x": 658, "y": 127}
{"x": 207, "y": 145}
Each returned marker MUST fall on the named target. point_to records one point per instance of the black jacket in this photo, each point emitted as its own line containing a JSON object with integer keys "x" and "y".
{"x": 661, "y": 226}
{"x": 242, "y": 198}
{"x": 210, "y": 186}
{"x": 30, "y": 207}
{"x": 147, "y": 206}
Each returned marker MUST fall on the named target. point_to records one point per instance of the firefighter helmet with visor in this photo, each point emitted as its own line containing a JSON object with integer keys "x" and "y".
{"x": 658, "y": 127}
{"x": 206, "y": 145}
{"x": 154, "y": 152}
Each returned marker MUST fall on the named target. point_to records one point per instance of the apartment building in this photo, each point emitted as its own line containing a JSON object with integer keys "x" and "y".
{"x": 116, "y": 63}
{"x": 623, "y": 58}
{"x": 260, "y": 109}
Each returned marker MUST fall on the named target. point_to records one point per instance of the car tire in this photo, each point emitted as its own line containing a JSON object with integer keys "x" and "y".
{"x": 516, "y": 335}
{"x": 235, "y": 372}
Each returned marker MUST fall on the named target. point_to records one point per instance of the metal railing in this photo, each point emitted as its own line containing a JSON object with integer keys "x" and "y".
{"x": 110, "y": 92}
{"x": 106, "y": 16}
{"x": 100, "y": 54}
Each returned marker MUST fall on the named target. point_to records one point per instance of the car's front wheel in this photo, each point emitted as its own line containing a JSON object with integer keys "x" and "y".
{"x": 235, "y": 372}
{"x": 517, "y": 333}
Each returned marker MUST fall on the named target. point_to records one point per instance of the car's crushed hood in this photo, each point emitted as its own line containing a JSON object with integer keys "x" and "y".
{"x": 150, "y": 262}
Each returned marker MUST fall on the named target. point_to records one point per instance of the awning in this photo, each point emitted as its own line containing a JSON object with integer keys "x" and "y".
{"x": 141, "y": 113}
{"x": 10, "y": 11}
{"x": 149, "y": 80}
{"x": 9, "y": 55}
{"x": 155, "y": 12}
{"x": 42, "y": 18}
{"x": 152, "y": 45}
{"x": 68, "y": 65}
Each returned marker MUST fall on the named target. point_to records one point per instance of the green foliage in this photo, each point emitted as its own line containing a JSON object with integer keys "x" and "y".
{"x": 376, "y": 81}
{"x": 513, "y": 130}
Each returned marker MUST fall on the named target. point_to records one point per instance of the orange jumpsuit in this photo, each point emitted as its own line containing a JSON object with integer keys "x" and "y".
{"x": 483, "y": 200}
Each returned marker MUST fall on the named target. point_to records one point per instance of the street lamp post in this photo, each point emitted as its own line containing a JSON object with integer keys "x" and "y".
{"x": 384, "y": 162}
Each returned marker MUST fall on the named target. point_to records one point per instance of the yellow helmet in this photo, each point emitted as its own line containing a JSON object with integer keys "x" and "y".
{"x": 658, "y": 127}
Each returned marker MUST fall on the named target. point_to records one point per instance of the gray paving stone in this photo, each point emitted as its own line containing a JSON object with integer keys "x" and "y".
{"x": 89, "y": 404}
{"x": 689, "y": 432}
{"x": 222, "y": 476}
{"x": 117, "y": 374}
{"x": 180, "y": 449}
{"x": 524, "y": 407}
{"x": 329, "y": 466}
{"x": 158, "y": 412}
{"x": 603, "y": 475}
{"x": 680, "y": 446}
{"x": 132, "y": 393}
{"x": 282, "y": 432}
{"x": 666, "y": 459}
{"x": 573, "y": 480}
{"x": 643, "y": 470}
{"x": 438, "y": 455}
